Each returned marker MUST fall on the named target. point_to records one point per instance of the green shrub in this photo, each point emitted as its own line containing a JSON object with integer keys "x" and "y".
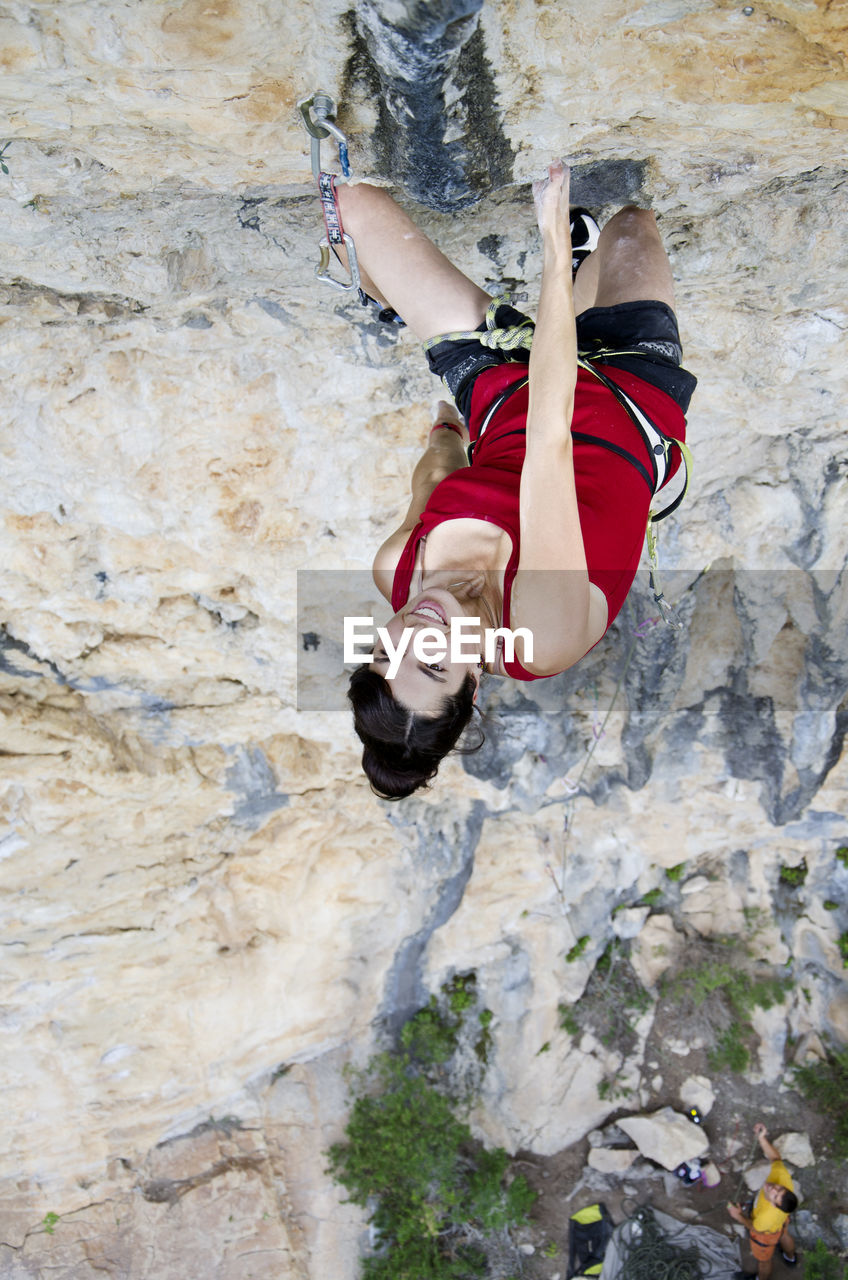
{"x": 843, "y": 949}
{"x": 825, "y": 1084}
{"x": 675, "y": 873}
{"x": 429, "y": 1036}
{"x": 568, "y": 1020}
{"x": 715, "y": 997}
{"x": 435, "y": 1190}
{"x": 461, "y": 992}
{"x": 821, "y": 1265}
{"x": 744, "y": 991}
{"x": 484, "y": 1041}
{"x": 830, "y": 905}
{"x": 794, "y": 876}
{"x": 651, "y": 898}
{"x": 612, "y": 1002}
{"x": 729, "y": 1052}
{"x": 842, "y": 854}
{"x": 577, "y": 950}
{"x": 611, "y": 1088}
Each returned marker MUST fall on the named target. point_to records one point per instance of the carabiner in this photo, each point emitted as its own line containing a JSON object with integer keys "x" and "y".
{"x": 323, "y": 126}
{"x": 322, "y": 272}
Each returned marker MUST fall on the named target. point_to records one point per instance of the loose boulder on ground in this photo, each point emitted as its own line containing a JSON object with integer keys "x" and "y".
{"x": 611, "y": 1159}
{"x": 795, "y": 1149}
{"x": 696, "y": 1091}
{"x": 666, "y": 1137}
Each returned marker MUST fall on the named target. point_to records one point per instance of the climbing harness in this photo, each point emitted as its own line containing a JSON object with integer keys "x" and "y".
{"x": 318, "y": 113}
{"x": 658, "y": 443}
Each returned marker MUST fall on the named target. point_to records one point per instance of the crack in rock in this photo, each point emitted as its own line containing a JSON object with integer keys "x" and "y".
{"x": 404, "y": 991}
{"x": 424, "y": 67}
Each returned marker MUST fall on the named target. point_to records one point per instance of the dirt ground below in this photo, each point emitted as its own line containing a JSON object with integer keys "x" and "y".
{"x": 565, "y": 1183}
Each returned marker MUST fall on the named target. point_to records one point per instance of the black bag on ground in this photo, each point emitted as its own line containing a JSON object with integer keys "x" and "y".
{"x": 589, "y": 1232}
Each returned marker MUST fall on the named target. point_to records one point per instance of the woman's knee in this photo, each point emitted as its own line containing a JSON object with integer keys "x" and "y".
{"x": 631, "y": 222}
{"x": 633, "y": 265}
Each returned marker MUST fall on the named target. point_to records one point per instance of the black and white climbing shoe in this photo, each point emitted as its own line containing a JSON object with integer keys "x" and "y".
{"x": 584, "y": 236}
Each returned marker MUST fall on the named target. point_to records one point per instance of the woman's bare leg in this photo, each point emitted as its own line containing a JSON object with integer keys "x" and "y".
{"x": 629, "y": 264}
{"x": 402, "y": 267}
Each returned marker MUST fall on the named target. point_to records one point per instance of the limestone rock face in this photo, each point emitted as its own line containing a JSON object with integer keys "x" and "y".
{"x": 205, "y": 911}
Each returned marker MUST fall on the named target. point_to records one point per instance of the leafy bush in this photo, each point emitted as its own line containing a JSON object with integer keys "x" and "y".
{"x": 612, "y": 1088}
{"x": 825, "y": 1084}
{"x": 821, "y": 1265}
{"x": 436, "y": 1192}
{"x": 843, "y": 949}
{"x": 432, "y": 1035}
{"x": 794, "y": 876}
{"x": 715, "y": 995}
{"x": 612, "y": 1002}
{"x": 429, "y": 1036}
{"x": 568, "y": 1020}
{"x": 729, "y": 1052}
{"x": 461, "y": 992}
{"x": 743, "y": 990}
{"x": 842, "y": 854}
{"x": 577, "y": 950}
{"x": 651, "y": 898}
{"x": 483, "y": 1043}
{"x": 675, "y": 873}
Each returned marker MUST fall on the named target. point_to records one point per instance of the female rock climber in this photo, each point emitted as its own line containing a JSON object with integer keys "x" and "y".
{"x": 543, "y": 528}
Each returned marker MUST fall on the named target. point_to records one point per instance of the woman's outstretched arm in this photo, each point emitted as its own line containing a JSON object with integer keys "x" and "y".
{"x": 552, "y": 595}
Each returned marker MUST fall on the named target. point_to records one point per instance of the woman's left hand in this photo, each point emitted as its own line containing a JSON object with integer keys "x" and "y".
{"x": 551, "y": 197}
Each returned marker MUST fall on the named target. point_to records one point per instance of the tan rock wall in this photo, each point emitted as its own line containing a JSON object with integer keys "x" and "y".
{"x": 197, "y": 884}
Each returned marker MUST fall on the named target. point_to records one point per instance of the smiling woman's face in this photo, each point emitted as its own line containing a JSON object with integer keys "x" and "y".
{"x": 424, "y": 686}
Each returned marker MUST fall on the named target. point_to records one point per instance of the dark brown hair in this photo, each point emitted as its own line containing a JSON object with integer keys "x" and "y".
{"x": 402, "y": 749}
{"x": 788, "y": 1201}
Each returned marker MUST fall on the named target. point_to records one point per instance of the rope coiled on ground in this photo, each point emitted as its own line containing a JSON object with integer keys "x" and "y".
{"x": 650, "y": 1255}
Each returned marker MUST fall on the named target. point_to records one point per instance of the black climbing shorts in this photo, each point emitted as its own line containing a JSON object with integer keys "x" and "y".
{"x": 647, "y": 331}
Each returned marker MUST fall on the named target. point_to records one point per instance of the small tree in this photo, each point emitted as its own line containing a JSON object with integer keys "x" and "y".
{"x": 821, "y": 1265}
{"x": 437, "y": 1194}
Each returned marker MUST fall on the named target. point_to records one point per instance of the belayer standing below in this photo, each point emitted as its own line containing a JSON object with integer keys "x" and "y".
{"x": 540, "y": 524}
{"x": 770, "y": 1215}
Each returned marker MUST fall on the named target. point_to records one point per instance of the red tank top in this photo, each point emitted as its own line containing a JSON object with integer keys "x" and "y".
{"x": 613, "y": 497}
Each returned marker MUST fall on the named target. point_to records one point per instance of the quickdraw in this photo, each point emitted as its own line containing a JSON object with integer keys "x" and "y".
{"x": 317, "y": 113}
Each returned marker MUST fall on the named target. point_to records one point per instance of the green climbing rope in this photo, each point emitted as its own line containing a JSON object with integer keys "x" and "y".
{"x": 649, "y": 1255}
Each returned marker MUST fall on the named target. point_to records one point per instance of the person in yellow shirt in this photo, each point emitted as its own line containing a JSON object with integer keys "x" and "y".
{"x": 772, "y": 1207}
